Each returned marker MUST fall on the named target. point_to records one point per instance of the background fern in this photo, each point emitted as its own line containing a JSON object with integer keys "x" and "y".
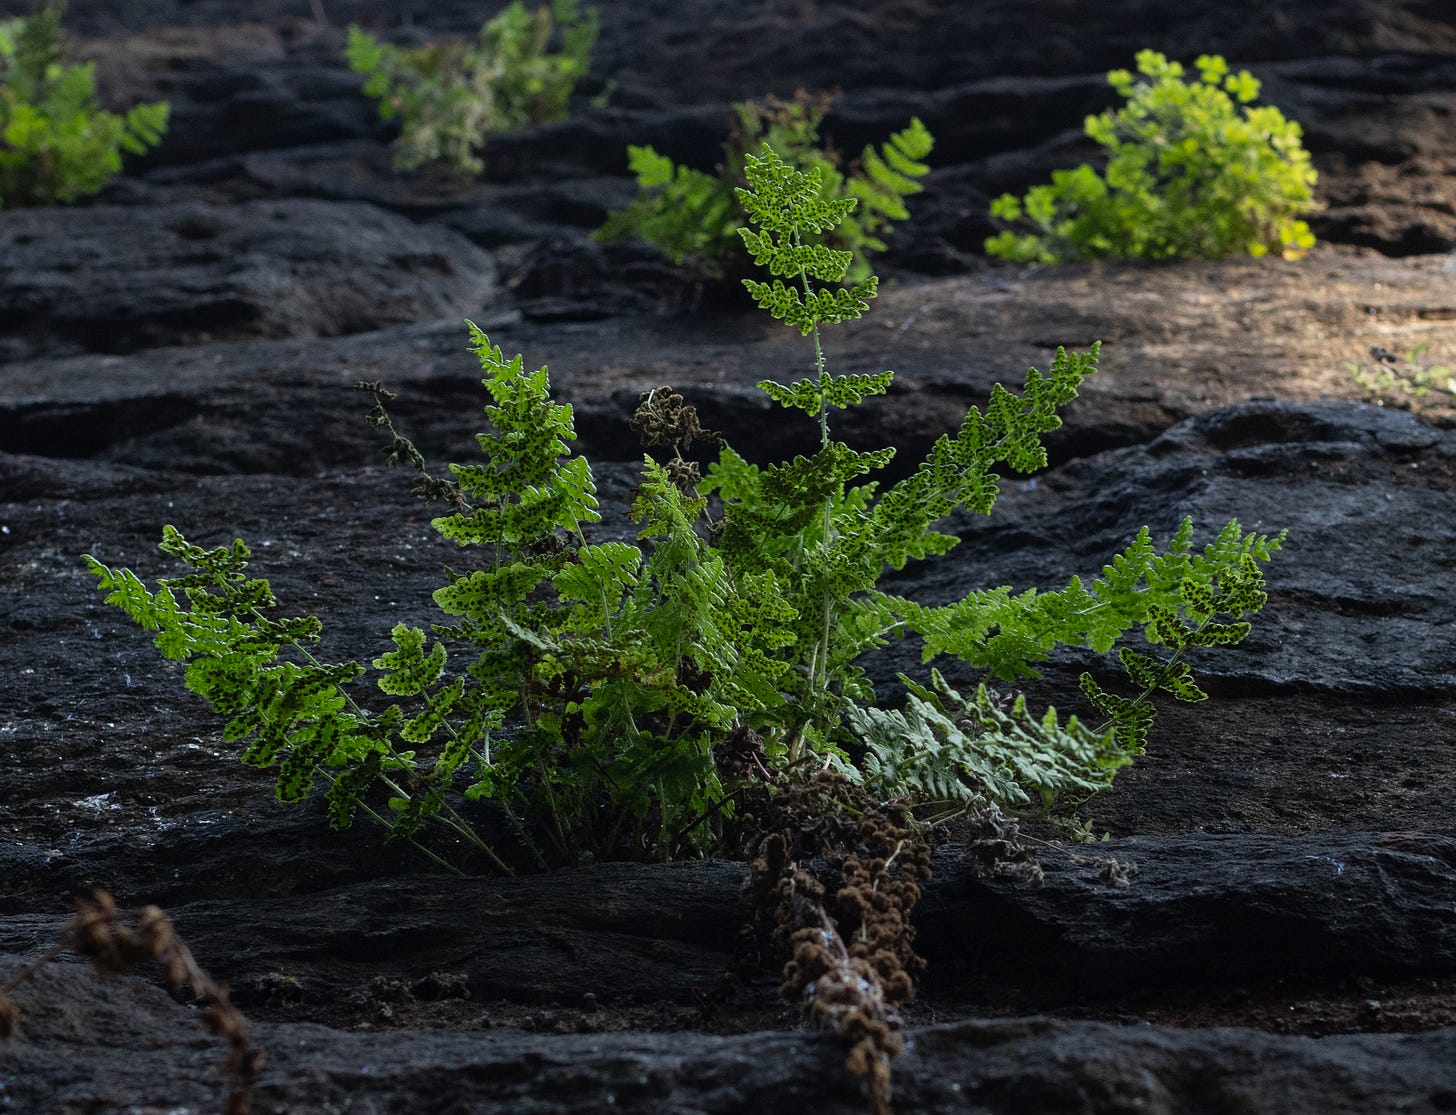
{"x": 56, "y": 144}
{"x": 449, "y": 97}
{"x": 693, "y": 217}
{"x": 1190, "y": 173}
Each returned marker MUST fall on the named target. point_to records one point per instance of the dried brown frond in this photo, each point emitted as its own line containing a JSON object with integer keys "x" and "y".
{"x": 664, "y": 418}
{"x": 845, "y": 937}
{"x": 402, "y": 451}
{"x": 97, "y": 930}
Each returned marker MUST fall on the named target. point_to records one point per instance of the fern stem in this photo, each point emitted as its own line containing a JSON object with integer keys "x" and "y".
{"x": 818, "y": 663}
{"x": 545, "y": 767}
{"x": 439, "y": 860}
{"x": 1146, "y": 695}
{"x": 383, "y": 821}
{"x": 527, "y": 840}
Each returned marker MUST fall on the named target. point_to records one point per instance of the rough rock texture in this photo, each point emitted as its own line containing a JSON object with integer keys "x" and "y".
{"x": 118, "y": 279}
{"x": 183, "y": 350}
{"x": 1022, "y": 1066}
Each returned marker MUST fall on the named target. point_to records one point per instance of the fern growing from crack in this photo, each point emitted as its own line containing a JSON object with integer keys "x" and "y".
{"x": 598, "y": 693}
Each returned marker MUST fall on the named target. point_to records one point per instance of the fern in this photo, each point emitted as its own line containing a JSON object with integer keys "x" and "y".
{"x": 589, "y": 688}
{"x": 1189, "y": 174}
{"x": 55, "y": 142}
{"x": 448, "y": 97}
{"x": 1005, "y": 633}
{"x": 687, "y": 215}
{"x": 829, "y": 540}
{"x": 944, "y": 747}
{"x": 294, "y": 712}
{"x": 693, "y": 218}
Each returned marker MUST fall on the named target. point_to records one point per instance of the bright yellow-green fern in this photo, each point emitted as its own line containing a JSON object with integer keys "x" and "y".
{"x": 1194, "y": 170}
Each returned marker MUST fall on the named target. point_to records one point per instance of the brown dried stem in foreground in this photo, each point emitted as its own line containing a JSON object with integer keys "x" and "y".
{"x": 848, "y": 939}
{"x": 97, "y": 931}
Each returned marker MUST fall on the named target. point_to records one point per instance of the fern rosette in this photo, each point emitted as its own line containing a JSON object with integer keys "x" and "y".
{"x": 623, "y": 698}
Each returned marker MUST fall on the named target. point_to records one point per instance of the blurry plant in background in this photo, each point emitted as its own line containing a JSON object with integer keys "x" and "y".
{"x": 448, "y": 97}
{"x": 1406, "y": 382}
{"x": 1189, "y": 174}
{"x": 55, "y": 141}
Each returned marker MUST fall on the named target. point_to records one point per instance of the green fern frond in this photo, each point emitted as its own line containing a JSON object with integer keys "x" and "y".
{"x": 892, "y": 174}
{"x": 532, "y": 485}
{"x": 408, "y": 670}
{"x": 959, "y": 472}
{"x": 806, "y": 481}
{"x": 483, "y": 594}
{"x": 346, "y": 790}
{"x": 596, "y": 582}
{"x": 693, "y": 217}
{"x": 783, "y": 201}
{"x": 805, "y": 312}
{"x": 946, "y": 747}
{"x": 1139, "y": 588}
{"x": 1130, "y": 720}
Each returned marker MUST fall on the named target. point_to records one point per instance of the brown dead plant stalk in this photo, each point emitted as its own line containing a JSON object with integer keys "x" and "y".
{"x": 98, "y": 930}
{"x": 837, "y": 875}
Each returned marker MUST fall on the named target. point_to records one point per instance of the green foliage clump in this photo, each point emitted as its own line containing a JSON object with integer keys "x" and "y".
{"x": 1175, "y": 597}
{"x": 1190, "y": 174}
{"x": 622, "y": 697}
{"x": 56, "y": 143}
{"x": 693, "y": 217}
{"x": 448, "y": 97}
{"x": 1405, "y": 382}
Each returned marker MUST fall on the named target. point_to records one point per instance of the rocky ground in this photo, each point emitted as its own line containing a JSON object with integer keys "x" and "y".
{"x": 182, "y": 349}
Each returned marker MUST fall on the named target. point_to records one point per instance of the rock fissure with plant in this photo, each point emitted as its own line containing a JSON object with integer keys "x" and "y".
{"x": 601, "y": 678}
{"x": 630, "y": 700}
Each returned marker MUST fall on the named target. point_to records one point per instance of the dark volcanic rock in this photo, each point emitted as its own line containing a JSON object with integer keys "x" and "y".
{"x": 115, "y": 280}
{"x": 1177, "y": 340}
{"x": 182, "y": 349}
{"x": 142, "y": 1050}
{"x": 1203, "y": 910}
